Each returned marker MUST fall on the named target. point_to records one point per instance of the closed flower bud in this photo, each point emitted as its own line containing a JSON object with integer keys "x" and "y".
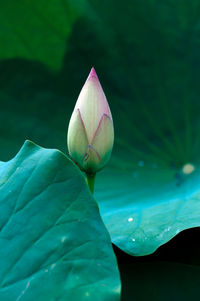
{"x": 90, "y": 132}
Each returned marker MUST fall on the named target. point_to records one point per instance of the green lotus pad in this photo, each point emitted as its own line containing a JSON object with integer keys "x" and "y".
{"x": 53, "y": 244}
{"x": 146, "y": 207}
{"x": 37, "y": 30}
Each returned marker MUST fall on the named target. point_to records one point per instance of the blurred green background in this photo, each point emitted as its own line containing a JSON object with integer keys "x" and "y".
{"x": 147, "y": 56}
{"x": 145, "y": 52}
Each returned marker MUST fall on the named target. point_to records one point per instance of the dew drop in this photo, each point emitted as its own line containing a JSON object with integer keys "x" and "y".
{"x": 28, "y": 284}
{"x": 188, "y": 169}
{"x": 53, "y": 266}
{"x": 63, "y": 239}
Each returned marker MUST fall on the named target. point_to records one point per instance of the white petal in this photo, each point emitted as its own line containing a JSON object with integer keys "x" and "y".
{"x": 77, "y": 138}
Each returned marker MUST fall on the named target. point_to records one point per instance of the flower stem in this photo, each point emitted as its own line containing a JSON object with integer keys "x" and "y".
{"x": 90, "y": 181}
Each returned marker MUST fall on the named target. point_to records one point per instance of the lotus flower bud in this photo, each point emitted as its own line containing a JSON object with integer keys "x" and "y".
{"x": 90, "y": 132}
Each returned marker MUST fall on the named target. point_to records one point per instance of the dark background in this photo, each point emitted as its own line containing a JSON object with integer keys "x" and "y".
{"x": 171, "y": 273}
{"x": 146, "y": 53}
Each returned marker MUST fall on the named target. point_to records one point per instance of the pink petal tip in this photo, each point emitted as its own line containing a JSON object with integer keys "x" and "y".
{"x": 92, "y": 73}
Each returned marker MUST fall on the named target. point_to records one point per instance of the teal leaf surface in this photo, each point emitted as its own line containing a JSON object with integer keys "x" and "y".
{"x": 145, "y": 208}
{"x": 53, "y": 244}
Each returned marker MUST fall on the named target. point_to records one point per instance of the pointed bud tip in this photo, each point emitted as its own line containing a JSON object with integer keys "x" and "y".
{"x": 92, "y": 73}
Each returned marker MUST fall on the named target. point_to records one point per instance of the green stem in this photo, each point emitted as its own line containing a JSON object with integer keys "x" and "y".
{"x": 90, "y": 181}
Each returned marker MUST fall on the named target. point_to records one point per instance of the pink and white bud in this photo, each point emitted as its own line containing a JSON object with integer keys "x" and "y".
{"x": 90, "y": 133}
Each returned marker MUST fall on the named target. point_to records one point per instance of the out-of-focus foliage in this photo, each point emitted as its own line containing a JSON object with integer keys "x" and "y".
{"x": 146, "y": 54}
{"x": 37, "y": 30}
